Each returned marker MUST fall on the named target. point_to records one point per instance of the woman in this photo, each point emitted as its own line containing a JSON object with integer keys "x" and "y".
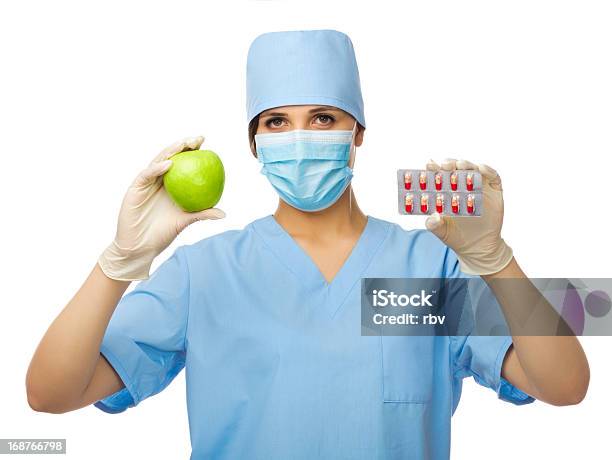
{"x": 266, "y": 320}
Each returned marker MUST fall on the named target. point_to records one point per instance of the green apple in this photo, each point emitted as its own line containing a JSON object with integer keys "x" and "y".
{"x": 195, "y": 180}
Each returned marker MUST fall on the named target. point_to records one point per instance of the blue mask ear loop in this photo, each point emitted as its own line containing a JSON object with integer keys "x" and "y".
{"x": 351, "y": 163}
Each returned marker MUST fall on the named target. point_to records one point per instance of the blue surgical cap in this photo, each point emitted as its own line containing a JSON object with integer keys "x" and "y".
{"x": 303, "y": 67}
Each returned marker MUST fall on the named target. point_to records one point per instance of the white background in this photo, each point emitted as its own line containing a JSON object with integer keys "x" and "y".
{"x": 91, "y": 92}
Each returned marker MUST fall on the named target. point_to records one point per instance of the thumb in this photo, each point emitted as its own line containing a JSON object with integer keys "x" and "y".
{"x": 437, "y": 225}
{"x": 191, "y": 217}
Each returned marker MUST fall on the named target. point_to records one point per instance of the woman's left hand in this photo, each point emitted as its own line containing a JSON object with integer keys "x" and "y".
{"x": 477, "y": 241}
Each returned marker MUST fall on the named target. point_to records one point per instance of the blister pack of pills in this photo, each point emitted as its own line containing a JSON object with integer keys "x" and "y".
{"x": 452, "y": 193}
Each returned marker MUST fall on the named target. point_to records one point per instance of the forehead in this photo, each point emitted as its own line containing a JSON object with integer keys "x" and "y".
{"x": 289, "y": 110}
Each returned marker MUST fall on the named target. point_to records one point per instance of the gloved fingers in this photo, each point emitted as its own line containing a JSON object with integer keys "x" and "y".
{"x": 194, "y": 143}
{"x": 464, "y": 164}
{"x": 491, "y": 177}
{"x": 432, "y": 166}
{"x": 150, "y": 174}
{"x": 175, "y": 147}
{"x": 211, "y": 213}
{"x": 449, "y": 164}
{"x": 438, "y": 225}
{"x": 187, "y": 218}
{"x": 188, "y": 143}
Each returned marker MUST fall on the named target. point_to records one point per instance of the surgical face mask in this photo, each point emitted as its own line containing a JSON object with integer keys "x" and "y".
{"x": 309, "y": 169}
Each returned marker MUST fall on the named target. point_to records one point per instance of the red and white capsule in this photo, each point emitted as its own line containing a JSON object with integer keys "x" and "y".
{"x": 409, "y": 202}
{"x": 440, "y": 203}
{"x": 469, "y": 182}
{"x": 453, "y": 180}
{"x": 470, "y": 204}
{"x": 423, "y": 180}
{"x": 424, "y": 203}
{"x": 438, "y": 181}
{"x": 408, "y": 180}
{"x": 455, "y": 203}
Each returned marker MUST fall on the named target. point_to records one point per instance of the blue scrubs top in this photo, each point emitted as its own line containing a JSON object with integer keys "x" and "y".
{"x": 276, "y": 366}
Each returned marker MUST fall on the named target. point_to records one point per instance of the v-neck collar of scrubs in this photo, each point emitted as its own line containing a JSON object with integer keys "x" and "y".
{"x": 297, "y": 261}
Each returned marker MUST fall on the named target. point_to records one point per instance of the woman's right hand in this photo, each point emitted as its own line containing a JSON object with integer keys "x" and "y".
{"x": 148, "y": 220}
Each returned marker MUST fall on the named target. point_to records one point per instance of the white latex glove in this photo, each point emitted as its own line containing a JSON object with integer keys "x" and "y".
{"x": 148, "y": 220}
{"x": 477, "y": 241}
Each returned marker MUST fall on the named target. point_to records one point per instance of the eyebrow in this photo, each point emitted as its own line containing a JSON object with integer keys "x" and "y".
{"x": 323, "y": 108}
{"x": 273, "y": 114}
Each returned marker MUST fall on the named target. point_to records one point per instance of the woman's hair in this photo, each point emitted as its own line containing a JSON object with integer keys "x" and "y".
{"x": 252, "y": 131}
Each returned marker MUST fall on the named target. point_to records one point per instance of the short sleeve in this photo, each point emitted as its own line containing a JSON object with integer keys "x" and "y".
{"x": 481, "y": 357}
{"x": 145, "y": 338}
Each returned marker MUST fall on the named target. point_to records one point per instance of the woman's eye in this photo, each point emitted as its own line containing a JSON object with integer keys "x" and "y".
{"x": 324, "y": 119}
{"x": 274, "y": 123}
